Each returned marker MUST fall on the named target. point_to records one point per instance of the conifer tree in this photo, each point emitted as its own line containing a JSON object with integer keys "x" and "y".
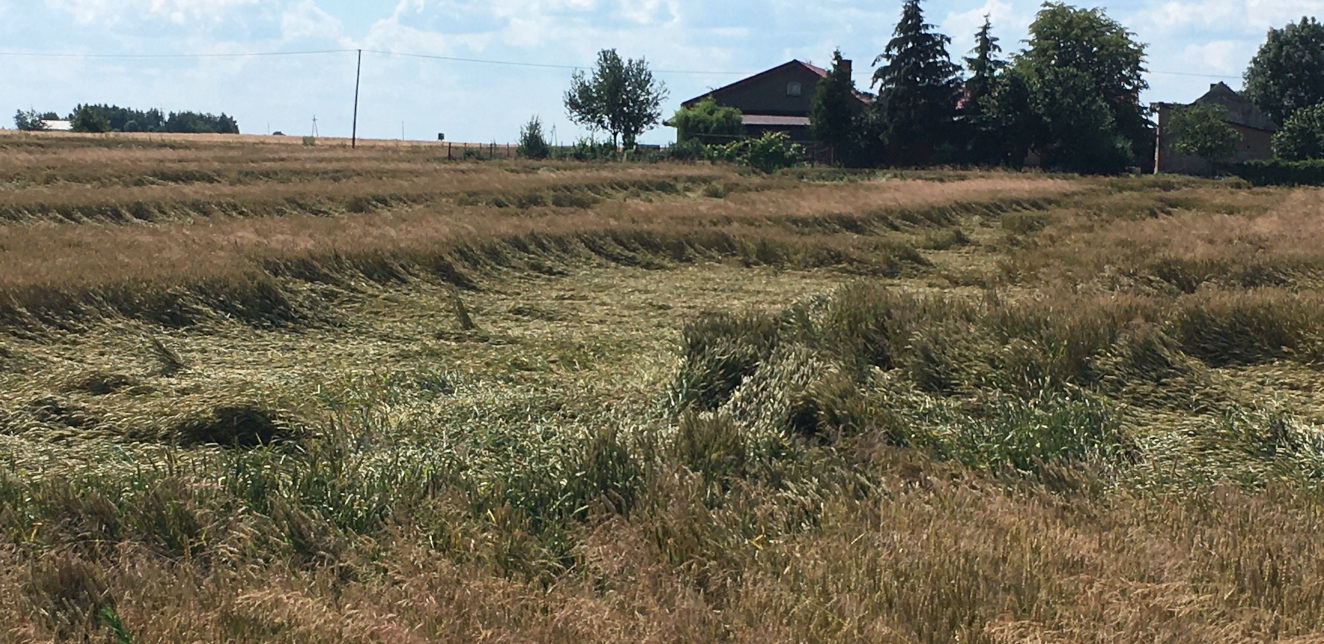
{"x": 984, "y": 66}
{"x": 834, "y": 107}
{"x": 918, "y": 88}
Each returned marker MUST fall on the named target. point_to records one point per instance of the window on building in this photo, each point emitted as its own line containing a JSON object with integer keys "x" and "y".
{"x": 792, "y": 89}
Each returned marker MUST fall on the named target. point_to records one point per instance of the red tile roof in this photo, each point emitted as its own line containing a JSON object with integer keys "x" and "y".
{"x": 819, "y": 71}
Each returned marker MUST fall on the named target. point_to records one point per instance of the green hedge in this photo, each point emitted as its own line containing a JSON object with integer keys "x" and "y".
{"x": 1281, "y": 173}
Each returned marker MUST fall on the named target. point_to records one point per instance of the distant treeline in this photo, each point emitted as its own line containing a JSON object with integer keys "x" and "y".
{"x": 112, "y": 118}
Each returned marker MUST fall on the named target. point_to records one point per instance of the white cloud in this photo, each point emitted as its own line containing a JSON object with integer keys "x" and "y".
{"x": 1220, "y": 56}
{"x": 178, "y": 11}
{"x": 1009, "y": 27}
{"x": 650, "y": 12}
{"x": 1234, "y": 16}
{"x": 307, "y": 20}
{"x": 407, "y": 6}
{"x": 390, "y": 35}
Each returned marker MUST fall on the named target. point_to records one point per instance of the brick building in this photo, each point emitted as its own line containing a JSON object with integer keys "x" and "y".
{"x": 1255, "y": 128}
{"x": 776, "y": 100}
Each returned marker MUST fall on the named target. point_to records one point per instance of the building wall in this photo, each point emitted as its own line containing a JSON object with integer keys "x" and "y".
{"x": 1255, "y": 145}
{"x": 768, "y": 95}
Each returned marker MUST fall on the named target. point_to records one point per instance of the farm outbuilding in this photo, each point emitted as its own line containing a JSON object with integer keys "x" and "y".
{"x": 776, "y": 100}
{"x": 1255, "y": 128}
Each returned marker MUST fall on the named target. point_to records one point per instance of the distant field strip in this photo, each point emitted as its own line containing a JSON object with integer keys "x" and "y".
{"x": 78, "y": 246}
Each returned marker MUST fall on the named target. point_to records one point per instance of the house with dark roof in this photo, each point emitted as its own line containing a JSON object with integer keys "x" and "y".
{"x": 1255, "y": 128}
{"x": 776, "y": 100}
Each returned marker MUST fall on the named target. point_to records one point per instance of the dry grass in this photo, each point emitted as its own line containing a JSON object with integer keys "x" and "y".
{"x": 415, "y": 401}
{"x": 82, "y": 256}
{"x": 207, "y": 235}
{"x": 1183, "y": 240}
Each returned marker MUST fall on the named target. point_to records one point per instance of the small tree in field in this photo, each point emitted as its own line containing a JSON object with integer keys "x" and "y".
{"x": 621, "y": 98}
{"x": 1200, "y": 130}
{"x": 532, "y": 142}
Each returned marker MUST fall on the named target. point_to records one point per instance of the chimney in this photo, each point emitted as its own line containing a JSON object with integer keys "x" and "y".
{"x": 846, "y": 65}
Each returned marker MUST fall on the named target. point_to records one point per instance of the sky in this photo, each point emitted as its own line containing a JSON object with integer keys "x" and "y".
{"x": 692, "y": 45}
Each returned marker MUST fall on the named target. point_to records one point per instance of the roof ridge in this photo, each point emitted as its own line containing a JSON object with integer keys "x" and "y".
{"x": 817, "y": 71}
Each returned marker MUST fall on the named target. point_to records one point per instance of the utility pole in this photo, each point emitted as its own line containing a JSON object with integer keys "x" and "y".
{"x": 358, "y": 75}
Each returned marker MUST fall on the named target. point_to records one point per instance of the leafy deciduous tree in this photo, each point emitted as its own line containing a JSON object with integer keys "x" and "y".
{"x": 29, "y": 121}
{"x": 1287, "y": 73}
{"x": 1074, "y": 126}
{"x": 1074, "y": 94}
{"x": 87, "y": 118}
{"x": 1106, "y": 56}
{"x": 918, "y": 87}
{"x": 1302, "y": 136}
{"x": 1202, "y": 131}
{"x": 112, "y": 118}
{"x": 621, "y": 97}
{"x": 708, "y": 123}
{"x": 1008, "y": 116}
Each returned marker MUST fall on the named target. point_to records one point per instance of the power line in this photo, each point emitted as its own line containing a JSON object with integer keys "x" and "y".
{"x": 22, "y": 54}
{"x": 454, "y": 59}
{"x": 473, "y": 60}
{"x": 539, "y": 65}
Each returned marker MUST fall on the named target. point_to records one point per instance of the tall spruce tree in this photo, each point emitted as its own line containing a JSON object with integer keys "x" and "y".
{"x": 918, "y": 87}
{"x": 984, "y": 66}
{"x": 834, "y": 107}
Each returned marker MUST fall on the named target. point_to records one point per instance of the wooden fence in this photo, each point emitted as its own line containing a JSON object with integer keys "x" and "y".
{"x": 478, "y": 151}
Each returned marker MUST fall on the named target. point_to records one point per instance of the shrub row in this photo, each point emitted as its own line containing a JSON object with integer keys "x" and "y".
{"x": 1281, "y": 173}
